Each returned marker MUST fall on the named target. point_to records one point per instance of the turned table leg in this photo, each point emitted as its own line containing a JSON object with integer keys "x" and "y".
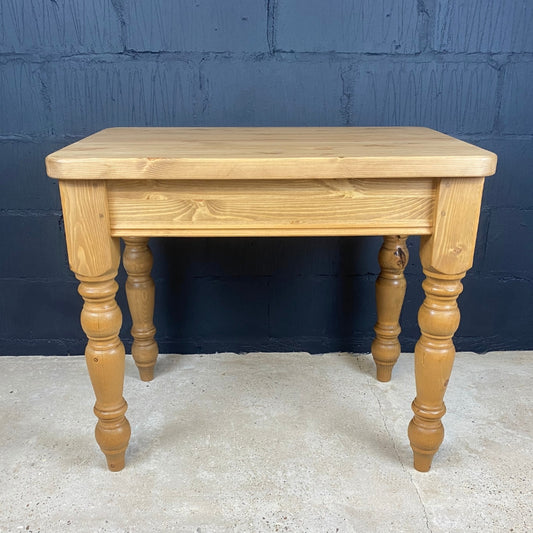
{"x": 434, "y": 355}
{"x": 140, "y": 291}
{"x": 446, "y": 255}
{"x": 101, "y": 320}
{"x": 94, "y": 257}
{"x": 390, "y": 291}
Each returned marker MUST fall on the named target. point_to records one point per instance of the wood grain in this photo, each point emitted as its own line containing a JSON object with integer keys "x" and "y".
{"x": 438, "y": 319}
{"x": 390, "y": 291}
{"x": 450, "y": 248}
{"x": 446, "y": 255}
{"x": 101, "y": 320}
{"x": 94, "y": 257}
{"x": 270, "y": 207}
{"x": 268, "y": 153}
{"x": 86, "y": 216}
{"x": 140, "y": 292}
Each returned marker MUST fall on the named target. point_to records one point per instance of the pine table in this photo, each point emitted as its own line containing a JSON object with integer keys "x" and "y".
{"x": 134, "y": 183}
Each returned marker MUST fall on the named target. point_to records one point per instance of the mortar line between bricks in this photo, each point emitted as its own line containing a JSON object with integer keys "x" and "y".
{"x": 426, "y": 25}
{"x": 118, "y": 7}
{"x": 497, "y": 124}
{"x": 271, "y": 6}
{"x": 67, "y": 278}
{"x": 485, "y": 240}
{"x": 513, "y": 207}
{"x": 497, "y": 136}
{"x": 30, "y": 212}
{"x": 131, "y": 54}
{"x": 70, "y": 138}
{"x": 39, "y": 339}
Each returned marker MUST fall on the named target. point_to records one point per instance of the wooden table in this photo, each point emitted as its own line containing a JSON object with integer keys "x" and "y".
{"x": 140, "y": 182}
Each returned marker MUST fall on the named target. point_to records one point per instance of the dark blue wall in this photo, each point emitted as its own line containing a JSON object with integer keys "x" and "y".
{"x": 71, "y": 67}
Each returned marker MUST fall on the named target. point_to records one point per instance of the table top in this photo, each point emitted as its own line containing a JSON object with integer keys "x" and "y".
{"x": 269, "y": 153}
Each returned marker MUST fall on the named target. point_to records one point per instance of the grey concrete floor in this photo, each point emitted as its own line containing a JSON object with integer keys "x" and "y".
{"x": 266, "y": 442}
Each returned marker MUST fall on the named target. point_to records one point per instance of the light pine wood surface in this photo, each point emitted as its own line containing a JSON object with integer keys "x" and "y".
{"x": 270, "y": 207}
{"x": 140, "y": 182}
{"x": 140, "y": 292}
{"x": 268, "y": 153}
{"x": 94, "y": 257}
{"x": 390, "y": 291}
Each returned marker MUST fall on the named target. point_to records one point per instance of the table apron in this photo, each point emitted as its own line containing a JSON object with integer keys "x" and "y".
{"x": 271, "y": 207}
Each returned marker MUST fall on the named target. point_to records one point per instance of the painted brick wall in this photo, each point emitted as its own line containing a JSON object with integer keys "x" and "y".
{"x": 71, "y": 67}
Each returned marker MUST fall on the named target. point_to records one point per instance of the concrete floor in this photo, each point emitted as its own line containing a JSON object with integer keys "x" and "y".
{"x": 266, "y": 442}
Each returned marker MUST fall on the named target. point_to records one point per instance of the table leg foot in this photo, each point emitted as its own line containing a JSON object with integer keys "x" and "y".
{"x": 390, "y": 292}
{"x": 146, "y": 373}
{"x": 434, "y": 355}
{"x": 115, "y": 463}
{"x": 140, "y": 291}
{"x": 383, "y": 372}
{"x": 422, "y": 461}
{"x": 105, "y": 356}
{"x": 426, "y": 435}
{"x": 112, "y": 437}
